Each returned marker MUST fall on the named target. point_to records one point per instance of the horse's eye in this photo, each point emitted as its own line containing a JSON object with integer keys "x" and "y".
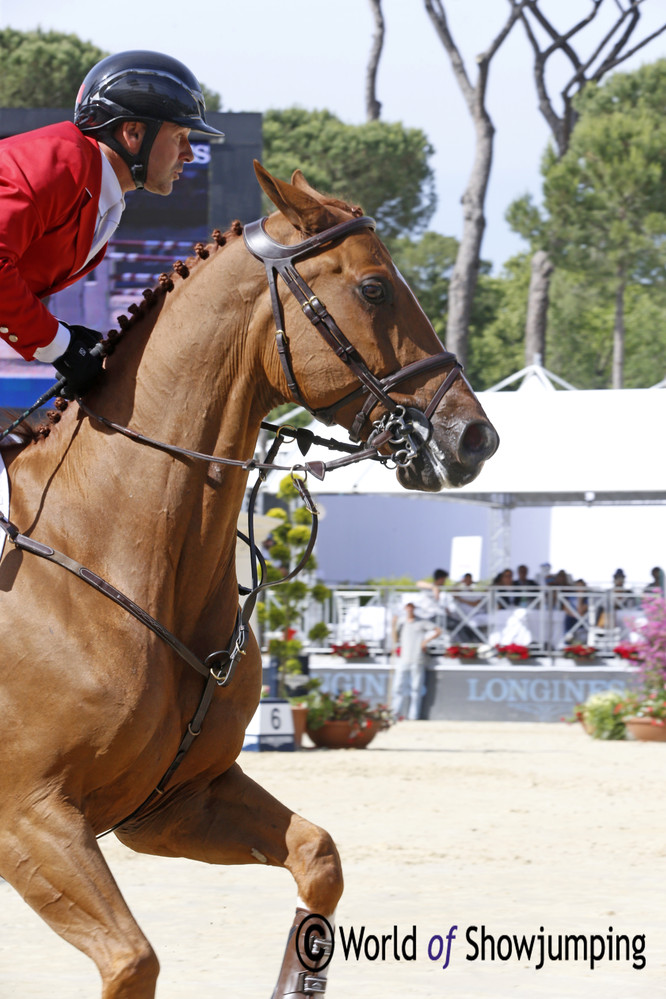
{"x": 373, "y": 291}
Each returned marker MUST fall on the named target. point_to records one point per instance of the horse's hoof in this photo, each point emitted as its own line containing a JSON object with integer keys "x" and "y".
{"x": 306, "y": 958}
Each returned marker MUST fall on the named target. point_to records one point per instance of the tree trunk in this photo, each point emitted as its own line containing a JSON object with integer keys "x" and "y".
{"x": 373, "y": 107}
{"x": 537, "y": 308}
{"x": 618, "y": 331}
{"x": 466, "y": 269}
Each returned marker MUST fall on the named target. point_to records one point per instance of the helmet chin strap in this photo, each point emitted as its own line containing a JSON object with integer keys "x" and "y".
{"x": 137, "y": 163}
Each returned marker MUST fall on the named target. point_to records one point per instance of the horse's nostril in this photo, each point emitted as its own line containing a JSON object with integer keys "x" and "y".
{"x": 479, "y": 440}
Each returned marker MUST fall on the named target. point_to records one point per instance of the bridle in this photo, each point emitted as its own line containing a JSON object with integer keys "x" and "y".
{"x": 410, "y": 429}
{"x": 407, "y": 430}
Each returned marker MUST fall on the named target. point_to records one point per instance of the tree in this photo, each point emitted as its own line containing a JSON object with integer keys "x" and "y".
{"x": 373, "y": 107}
{"x": 613, "y": 45}
{"x": 43, "y": 68}
{"x": 466, "y": 269}
{"x": 497, "y": 324}
{"x": 605, "y": 198}
{"x": 384, "y": 167}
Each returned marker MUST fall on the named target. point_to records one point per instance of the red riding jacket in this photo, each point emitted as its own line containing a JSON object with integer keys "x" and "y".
{"x": 50, "y": 182}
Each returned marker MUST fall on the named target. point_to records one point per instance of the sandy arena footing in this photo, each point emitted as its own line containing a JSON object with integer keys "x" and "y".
{"x": 502, "y": 830}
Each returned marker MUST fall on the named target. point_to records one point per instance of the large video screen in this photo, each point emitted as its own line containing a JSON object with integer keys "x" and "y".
{"x": 182, "y": 215}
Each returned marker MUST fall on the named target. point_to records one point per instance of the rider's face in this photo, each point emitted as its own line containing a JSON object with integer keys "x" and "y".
{"x": 170, "y": 152}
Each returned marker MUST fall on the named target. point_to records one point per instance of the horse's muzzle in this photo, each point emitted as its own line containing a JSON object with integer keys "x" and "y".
{"x": 451, "y": 462}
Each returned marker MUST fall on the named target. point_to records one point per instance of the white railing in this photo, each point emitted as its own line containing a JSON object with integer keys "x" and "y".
{"x": 545, "y": 618}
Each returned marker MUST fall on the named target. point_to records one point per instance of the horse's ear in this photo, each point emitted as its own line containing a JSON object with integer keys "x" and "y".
{"x": 299, "y": 181}
{"x": 298, "y": 202}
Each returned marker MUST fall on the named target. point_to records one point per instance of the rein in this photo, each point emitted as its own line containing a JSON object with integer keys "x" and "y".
{"x": 406, "y": 430}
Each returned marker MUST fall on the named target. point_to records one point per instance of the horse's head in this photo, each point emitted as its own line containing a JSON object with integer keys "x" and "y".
{"x": 377, "y": 366}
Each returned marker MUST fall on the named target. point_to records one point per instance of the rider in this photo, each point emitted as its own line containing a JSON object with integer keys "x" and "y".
{"x": 62, "y": 194}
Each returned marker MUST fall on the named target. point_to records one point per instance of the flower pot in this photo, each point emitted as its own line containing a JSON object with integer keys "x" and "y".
{"x": 645, "y": 730}
{"x": 299, "y": 714}
{"x": 341, "y": 735}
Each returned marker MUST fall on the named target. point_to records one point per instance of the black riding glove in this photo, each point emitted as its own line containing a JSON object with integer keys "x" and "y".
{"x": 81, "y": 364}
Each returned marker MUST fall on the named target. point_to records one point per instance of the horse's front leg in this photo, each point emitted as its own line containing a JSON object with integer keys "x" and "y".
{"x": 253, "y": 827}
{"x": 49, "y": 854}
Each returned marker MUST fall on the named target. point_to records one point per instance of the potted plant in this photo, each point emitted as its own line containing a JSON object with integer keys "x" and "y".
{"x": 644, "y": 715}
{"x": 583, "y": 655}
{"x": 627, "y": 650}
{"x": 345, "y": 721}
{"x": 282, "y": 612}
{"x": 516, "y": 653}
{"x": 644, "y": 709}
{"x": 602, "y": 715}
{"x": 351, "y": 650}
{"x": 470, "y": 653}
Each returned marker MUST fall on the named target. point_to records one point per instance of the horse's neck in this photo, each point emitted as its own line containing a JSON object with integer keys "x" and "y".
{"x": 168, "y": 524}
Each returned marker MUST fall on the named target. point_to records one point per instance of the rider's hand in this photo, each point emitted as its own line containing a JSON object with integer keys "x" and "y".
{"x": 81, "y": 364}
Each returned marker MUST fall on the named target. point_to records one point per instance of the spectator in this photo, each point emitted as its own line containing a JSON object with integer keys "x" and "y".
{"x": 524, "y": 582}
{"x": 575, "y": 613}
{"x": 656, "y": 586}
{"x": 504, "y": 581}
{"x": 620, "y": 599}
{"x": 466, "y": 584}
{"x": 436, "y": 604}
{"x": 409, "y": 674}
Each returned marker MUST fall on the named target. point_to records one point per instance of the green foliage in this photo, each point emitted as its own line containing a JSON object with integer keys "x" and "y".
{"x": 601, "y": 715}
{"x": 497, "y": 334}
{"x": 286, "y": 603}
{"x": 347, "y": 706}
{"x": 287, "y": 490}
{"x": 603, "y": 223}
{"x": 277, "y": 512}
{"x": 406, "y": 582}
{"x": 301, "y": 516}
{"x": 298, "y": 536}
{"x": 212, "y": 98}
{"x": 320, "y": 592}
{"x": 319, "y": 632}
{"x": 43, "y": 68}
{"x": 382, "y": 165}
{"x": 299, "y": 418}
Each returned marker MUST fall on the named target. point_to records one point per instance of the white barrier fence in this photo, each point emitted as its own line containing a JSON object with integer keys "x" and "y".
{"x": 544, "y": 618}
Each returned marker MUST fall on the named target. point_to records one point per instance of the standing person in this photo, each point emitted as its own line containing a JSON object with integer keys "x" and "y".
{"x": 62, "y": 193}
{"x": 409, "y": 675}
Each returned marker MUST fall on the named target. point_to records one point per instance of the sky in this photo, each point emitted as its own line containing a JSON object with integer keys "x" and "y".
{"x": 261, "y": 54}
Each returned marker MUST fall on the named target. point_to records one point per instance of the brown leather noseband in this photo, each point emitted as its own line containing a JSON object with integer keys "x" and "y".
{"x": 280, "y": 259}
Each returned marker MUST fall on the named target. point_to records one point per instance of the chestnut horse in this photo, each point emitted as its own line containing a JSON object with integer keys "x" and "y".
{"x": 94, "y": 705}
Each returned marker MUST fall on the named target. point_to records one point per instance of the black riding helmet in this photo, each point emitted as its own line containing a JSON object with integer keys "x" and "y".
{"x": 139, "y": 86}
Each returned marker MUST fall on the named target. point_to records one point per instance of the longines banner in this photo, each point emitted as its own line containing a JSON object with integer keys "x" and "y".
{"x": 542, "y": 693}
